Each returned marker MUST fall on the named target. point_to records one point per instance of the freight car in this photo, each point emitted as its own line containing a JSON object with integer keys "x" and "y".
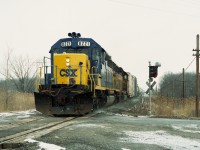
{"x": 81, "y": 77}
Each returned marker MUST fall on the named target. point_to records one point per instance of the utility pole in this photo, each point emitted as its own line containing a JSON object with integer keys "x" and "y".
{"x": 197, "y": 75}
{"x": 183, "y": 83}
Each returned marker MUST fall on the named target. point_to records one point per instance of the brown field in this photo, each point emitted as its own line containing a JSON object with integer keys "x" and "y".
{"x": 162, "y": 106}
{"x": 16, "y": 101}
{"x": 165, "y": 107}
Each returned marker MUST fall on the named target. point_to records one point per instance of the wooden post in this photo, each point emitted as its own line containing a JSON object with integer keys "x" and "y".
{"x": 183, "y": 83}
{"x": 197, "y": 75}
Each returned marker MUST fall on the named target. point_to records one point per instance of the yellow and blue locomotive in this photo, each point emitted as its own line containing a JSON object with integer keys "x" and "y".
{"x": 81, "y": 77}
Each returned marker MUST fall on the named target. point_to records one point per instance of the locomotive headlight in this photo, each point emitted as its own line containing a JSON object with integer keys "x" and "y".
{"x": 67, "y": 60}
{"x": 67, "y": 64}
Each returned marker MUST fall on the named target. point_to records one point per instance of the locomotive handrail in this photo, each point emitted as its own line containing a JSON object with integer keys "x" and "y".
{"x": 56, "y": 79}
{"x": 38, "y": 79}
{"x": 90, "y": 78}
{"x": 94, "y": 94}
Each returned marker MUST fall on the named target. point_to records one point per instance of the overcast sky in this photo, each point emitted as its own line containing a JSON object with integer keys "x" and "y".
{"x": 133, "y": 32}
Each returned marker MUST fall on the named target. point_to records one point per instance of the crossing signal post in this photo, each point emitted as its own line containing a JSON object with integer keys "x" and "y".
{"x": 153, "y": 73}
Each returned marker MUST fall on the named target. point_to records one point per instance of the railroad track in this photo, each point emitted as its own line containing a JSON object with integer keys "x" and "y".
{"x": 17, "y": 140}
{"x": 15, "y": 124}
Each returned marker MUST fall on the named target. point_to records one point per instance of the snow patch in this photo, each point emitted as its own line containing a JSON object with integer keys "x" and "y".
{"x": 45, "y": 146}
{"x": 57, "y": 137}
{"x": 143, "y": 117}
{"x": 125, "y": 149}
{"x": 114, "y": 114}
{"x": 123, "y": 115}
{"x": 25, "y": 116}
{"x": 91, "y": 126}
{"x": 161, "y": 138}
{"x": 191, "y": 128}
{"x": 18, "y": 113}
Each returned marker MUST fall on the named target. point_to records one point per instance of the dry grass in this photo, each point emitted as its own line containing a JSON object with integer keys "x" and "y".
{"x": 162, "y": 106}
{"x": 16, "y": 101}
{"x": 165, "y": 107}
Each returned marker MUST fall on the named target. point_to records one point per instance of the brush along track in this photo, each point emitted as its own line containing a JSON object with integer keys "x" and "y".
{"x": 40, "y": 131}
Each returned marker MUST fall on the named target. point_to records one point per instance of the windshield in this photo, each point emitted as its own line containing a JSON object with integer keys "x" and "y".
{"x": 71, "y": 50}
{"x": 85, "y": 51}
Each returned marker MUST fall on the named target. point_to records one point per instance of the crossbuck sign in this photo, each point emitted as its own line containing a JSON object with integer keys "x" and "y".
{"x": 150, "y": 86}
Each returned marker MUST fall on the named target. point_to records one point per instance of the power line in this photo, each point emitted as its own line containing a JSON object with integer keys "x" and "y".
{"x": 154, "y": 9}
{"x": 190, "y": 64}
{"x": 187, "y": 4}
{"x": 176, "y": 79}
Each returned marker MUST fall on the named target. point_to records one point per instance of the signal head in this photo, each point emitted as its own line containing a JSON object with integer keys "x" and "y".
{"x": 153, "y": 71}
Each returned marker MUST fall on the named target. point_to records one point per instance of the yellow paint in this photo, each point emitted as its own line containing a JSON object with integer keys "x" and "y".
{"x": 38, "y": 79}
{"x": 100, "y": 88}
{"x": 105, "y": 88}
{"x": 99, "y": 80}
{"x": 68, "y": 65}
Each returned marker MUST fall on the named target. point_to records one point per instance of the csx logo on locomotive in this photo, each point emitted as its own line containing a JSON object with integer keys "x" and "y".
{"x": 68, "y": 72}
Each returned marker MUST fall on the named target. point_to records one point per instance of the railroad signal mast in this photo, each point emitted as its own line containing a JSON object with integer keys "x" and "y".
{"x": 153, "y": 73}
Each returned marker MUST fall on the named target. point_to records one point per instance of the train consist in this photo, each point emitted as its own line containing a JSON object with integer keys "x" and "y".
{"x": 80, "y": 78}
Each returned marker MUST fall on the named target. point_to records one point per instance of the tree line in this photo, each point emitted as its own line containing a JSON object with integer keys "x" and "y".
{"x": 175, "y": 86}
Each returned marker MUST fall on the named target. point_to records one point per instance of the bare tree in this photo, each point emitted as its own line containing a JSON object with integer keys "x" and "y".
{"x": 23, "y": 73}
{"x": 5, "y": 72}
